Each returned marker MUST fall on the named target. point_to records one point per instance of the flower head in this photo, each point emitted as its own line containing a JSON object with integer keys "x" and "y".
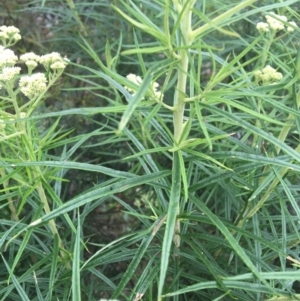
{"x": 9, "y": 73}
{"x": 291, "y": 28}
{"x": 262, "y": 27}
{"x": 33, "y": 85}
{"x": 276, "y": 21}
{"x": 9, "y": 35}
{"x": 54, "y": 61}
{"x": 30, "y": 59}
{"x": 138, "y": 81}
{"x": 7, "y": 57}
{"x": 267, "y": 75}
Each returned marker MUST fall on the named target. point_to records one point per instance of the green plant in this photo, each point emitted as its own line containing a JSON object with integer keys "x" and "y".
{"x": 208, "y": 139}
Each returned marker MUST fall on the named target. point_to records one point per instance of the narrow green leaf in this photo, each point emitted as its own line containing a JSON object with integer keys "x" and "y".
{"x": 22, "y": 293}
{"x": 183, "y": 175}
{"x": 74, "y": 165}
{"x": 137, "y": 258}
{"x": 144, "y": 50}
{"x": 53, "y": 265}
{"x": 76, "y": 292}
{"x": 202, "y": 125}
{"x": 171, "y": 220}
{"x": 100, "y": 191}
{"x": 257, "y": 131}
{"x": 5, "y": 235}
{"x": 135, "y": 100}
{"x": 231, "y": 240}
{"x": 20, "y": 252}
{"x": 246, "y": 286}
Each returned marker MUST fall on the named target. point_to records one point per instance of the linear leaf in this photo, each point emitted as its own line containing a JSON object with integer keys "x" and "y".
{"x": 171, "y": 220}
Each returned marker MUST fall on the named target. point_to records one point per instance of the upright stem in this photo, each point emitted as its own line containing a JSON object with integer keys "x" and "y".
{"x": 179, "y": 97}
{"x": 72, "y": 7}
{"x": 36, "y": 174}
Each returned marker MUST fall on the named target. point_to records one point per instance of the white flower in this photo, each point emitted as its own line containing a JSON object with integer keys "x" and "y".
{"x": 17, "y": 37}
{"x": 31, "y": 60}
{"x": 290, "y": 28}
{"x": 138, "y": 81}
{"x": 9, "y": 73}
{"x": 268, "y": 69}
{"x": 262, "y": 27}
{"x": 31, "y": 64}
{"x": 10, "y": 33}
{"x": 275, "y": 21}
{"x": 33, "y": 85}
{"x": 29, "y": 56}
{"x": 267, "y": 75}
{"x": 7, "y": 58}
{"x": 53, "y": 60}
{"x": 257, "y": 73}
{"x": 3, "y": 35}
{"x": 58, "y": 65}
{"x": 135, "y": 79}
{"x": 270, "y": 72}
{"x": 10, "y": 30}
{"x": 277, "y": 76}
{"x": 157, "y": 94}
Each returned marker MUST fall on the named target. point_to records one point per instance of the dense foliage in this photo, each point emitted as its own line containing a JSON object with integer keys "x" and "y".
{"x": 158, "y": 157}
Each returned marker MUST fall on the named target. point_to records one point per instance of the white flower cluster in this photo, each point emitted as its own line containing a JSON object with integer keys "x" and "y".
{"x": 267, "y": 75}
{"x": 9, "y": 35}
{"x": 54, "y": 61}
{"x": 33, "y": 85}
{"x": 7, "y": 57}
{"x": 275, "y": 23}
{"x": 30, "y": 59}
{"x": 30, "y": 85}
{"x": 9, "y": 73}
{"x": 138, "y": 81}
{"x": 7, "y": 61}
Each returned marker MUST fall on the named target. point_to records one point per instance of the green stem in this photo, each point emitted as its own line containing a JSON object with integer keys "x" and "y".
{"x": 262, "y": 64}
{"x": 77, "y": 18}
{"x": 37, "y": 174}
{"x": 179, "y": 97}
{"x": 52, "y": 225}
